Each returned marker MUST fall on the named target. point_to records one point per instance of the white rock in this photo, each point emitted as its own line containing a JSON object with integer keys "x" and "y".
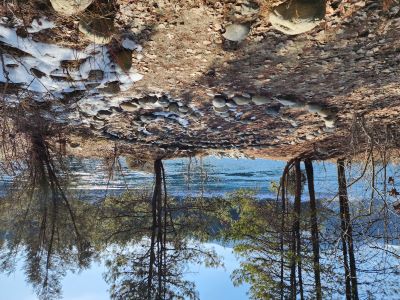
{"x": 219, "y": 102}
{"x": 164, "y": 102}
{"x": 236, "y": 32}
{"x": 310, "y": 137}
{"x": 286, "y": 102}
{"x": 240, "y": 100}
{"x": 329, "y": 122}
{"x": 320, "y": 110}
{"x": 183, "y": 109}
{"x": 223, "y": 109}
{"x": 70, "y": 7}
{"x": 147, "y": 119}
{"x": 129, "y": 106}
{"x": 129, "y": 44}
{"x": 231, "y": 104}
{"x": 260, "y": 100}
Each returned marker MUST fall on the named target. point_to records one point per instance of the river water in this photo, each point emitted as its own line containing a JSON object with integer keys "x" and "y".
{"x": 208, "y": 177}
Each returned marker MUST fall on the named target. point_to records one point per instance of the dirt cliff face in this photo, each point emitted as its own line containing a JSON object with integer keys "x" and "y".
{"x": 185, "y": 77}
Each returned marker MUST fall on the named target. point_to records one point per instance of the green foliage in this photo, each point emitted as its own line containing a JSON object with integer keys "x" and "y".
{"x": 255, "y": 233}
{"x": 274, "y": 187}
{"x": 124, "y": 217}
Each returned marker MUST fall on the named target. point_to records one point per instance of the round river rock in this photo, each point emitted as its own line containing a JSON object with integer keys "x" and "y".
{"x": 236, "y": 32}
{"x": 70, "y": 7}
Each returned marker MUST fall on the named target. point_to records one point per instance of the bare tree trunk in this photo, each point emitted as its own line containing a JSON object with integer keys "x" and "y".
{"x": 282, "y": 233}
{"x": 152, "y": 256}
{"x": 164, "y": 242}
{"x": 346, "y": 223}
{"x": 154, "y": 204}
{"x": 314, "y": 228}
{"x": 283, "y": 209}
{"x": 293, "y": 284}
{"x": 160, "y": 247}
{"x": 297, "y": 216}
{"x": 345, "y": 256}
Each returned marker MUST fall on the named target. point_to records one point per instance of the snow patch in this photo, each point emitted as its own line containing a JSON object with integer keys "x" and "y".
{"x": 40, "y": 24}
{"x": 183, "y": 122}
{"x": 52, "y": 70}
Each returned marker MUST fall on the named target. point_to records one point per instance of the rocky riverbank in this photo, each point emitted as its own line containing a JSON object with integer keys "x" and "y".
{"x": 259, "y": 78}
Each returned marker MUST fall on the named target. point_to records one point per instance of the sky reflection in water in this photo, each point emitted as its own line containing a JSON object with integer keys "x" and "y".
{"x": 223, "y": 176}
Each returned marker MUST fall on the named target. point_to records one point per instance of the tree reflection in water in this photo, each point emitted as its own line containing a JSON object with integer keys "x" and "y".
{"x": 153, "y": 266}
{"x": 39, "y": 220}
{"x": 150, "y": 234}
{"x": 294, "y": 249}
{"x": 294, "y": 246}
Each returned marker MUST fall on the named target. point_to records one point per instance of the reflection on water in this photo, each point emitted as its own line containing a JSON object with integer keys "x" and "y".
{"x": 298, "y": 230}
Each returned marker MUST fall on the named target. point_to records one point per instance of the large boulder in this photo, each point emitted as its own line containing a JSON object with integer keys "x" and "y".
{"x": 70, "y": 7}
{"x": 298, "y": 16}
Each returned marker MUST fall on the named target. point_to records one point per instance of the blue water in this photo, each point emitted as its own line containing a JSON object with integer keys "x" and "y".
{"x": 220, "y": 176}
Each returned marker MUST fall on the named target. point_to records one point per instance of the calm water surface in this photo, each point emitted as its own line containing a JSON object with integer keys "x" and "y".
{"x": 208, "y": 177}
